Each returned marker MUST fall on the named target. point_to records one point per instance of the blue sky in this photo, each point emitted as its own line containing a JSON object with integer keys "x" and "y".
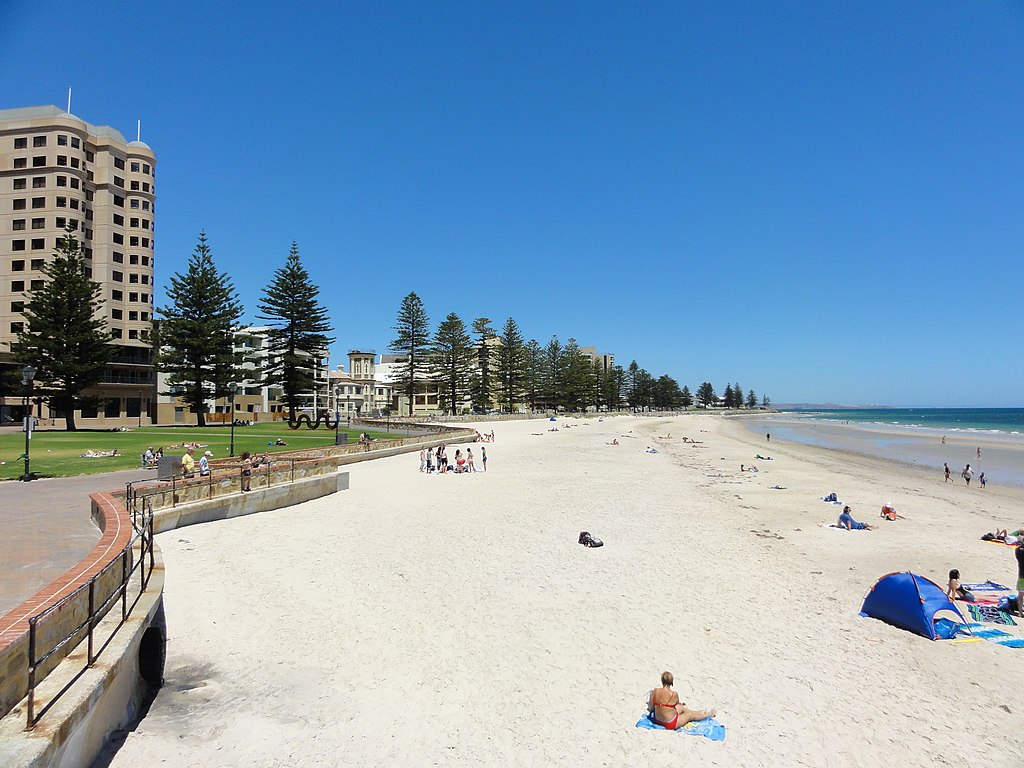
{"x": 821, "y": 201}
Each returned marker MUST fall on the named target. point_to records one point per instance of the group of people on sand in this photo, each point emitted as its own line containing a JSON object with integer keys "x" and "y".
{"x": 459, "y": 464}
{"x": 966, "y": 473}
{"x": 485, "y": 437}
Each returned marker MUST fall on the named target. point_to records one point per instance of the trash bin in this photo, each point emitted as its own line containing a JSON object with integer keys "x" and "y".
{"x": 168, "y": 467}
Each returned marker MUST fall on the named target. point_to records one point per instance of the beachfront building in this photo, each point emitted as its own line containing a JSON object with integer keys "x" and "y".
{"x": 605, "y": 361}
{"x": 426, "y": 398}
{"x": 58, "y": 171}
{"x": 360, "y": 391}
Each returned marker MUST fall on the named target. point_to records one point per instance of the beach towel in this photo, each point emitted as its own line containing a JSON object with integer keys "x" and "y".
{"x": 1004, "y": 639}
{"x": 709, "y": 728}
{"x": 987, "y": 586}
{"x": 990, "y": 613}
{"x": 831, "y": 499}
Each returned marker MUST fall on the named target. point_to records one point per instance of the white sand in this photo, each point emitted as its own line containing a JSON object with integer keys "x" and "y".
{"x": 420, "y": 620}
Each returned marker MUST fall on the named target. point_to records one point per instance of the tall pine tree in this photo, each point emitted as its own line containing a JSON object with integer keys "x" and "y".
{"x": 511, "y": 364}
{"x": 482, "y": 395}
{"x": 412, "y": 342}
{"x": 64, "y": 337}
{"x": 452, "y": 362}
{"x": 533, "y": 386}
{"x": 197, "y": 332}
{"x": 299, "y": 328}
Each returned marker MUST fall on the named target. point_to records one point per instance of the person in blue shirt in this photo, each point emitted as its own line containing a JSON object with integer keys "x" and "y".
{"x": 846, "y": 521}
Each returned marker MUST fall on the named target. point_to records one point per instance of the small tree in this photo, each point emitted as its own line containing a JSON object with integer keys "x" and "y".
{"x": 197, "y": 332}
{"x": 452, "y": 361}
{"x": 298, "y": 330}
{"x": 765, "y": 401}
{"x": 64, "y": 337}
{"x": 728, "y": 399}
{"x": 511, "y": 364}
{"x": 706, "y": 395}
{"x": 413, "y": 335}
{"x": 751, "y": 399}
{"x": 686, "y": 398}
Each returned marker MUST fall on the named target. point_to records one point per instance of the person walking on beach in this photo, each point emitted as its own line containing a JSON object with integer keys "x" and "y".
{"x": 768, "y": 437}
{"x": 483, "y": 457}
{"x": 967, "y": 474}
{"x": 470, "y": 467}
{"x": 423, "y": 459}
{"x": 430, "y": 459}
{"x": 979, "y": 451}
{"x": 945, "y": 466}
{"x": 943, "y": 439}
{"x": 981, "y": 479}
{"x": 1019, "y": 552}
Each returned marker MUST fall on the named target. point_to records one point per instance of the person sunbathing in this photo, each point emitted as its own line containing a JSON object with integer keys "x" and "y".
{"x": 614, "y": 442}
{"x": 955, "y": 589}
{"x": 846, "y": 521}
{"x": 668, "y": 711}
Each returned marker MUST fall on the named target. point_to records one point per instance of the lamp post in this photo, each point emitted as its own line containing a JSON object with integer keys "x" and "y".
{"x": 337, "y": 414}
{"x": 232, "y": 389}
{"x": 28, "y": 374}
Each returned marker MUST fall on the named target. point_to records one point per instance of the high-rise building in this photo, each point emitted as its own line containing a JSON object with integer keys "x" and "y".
{"x": 57, "y": 170}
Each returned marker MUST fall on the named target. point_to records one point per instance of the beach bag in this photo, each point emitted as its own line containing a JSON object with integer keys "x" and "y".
{"x": 590, "y": 541}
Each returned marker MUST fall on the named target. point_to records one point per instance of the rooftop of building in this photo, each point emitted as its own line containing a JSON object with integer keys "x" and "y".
{"x": 51, "y": 112}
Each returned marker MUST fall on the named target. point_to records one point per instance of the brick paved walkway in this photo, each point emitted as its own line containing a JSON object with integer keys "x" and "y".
{"x": 47, "y": 529}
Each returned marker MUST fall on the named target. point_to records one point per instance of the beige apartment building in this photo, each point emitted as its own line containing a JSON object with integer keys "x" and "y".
{"x": 57, "y": 170}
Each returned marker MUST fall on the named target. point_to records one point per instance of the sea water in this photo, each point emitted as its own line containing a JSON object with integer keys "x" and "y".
{"x": 991, "y": 440}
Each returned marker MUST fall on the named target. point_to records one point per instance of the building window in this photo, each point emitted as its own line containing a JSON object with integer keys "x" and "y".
{"x": 20, "y": 162}
{"x": 88, "y": 195}
{"x": 89, "y": 156}
{"x": 117, "y": 333}
{"x": 62, "y": 140}
{"x": 133, "y": 259}
{"x": 144, "y": 316}
{"x": 17, "y": 285}
{"x": 145, "y": 205}
{"x": 145, "y": 279}
{"x": 40, "y": 223}
{"x": 133, "y": 334}
{"x": 38, "y": 182}
{"x": 19, "y": 203}
{"x": 135, "y": 186}
{"x": 17, "y": 306}
{"x": 119, "y": 163}
{"x": 119, "y": 201}
{"x": 18, "y": 225}
{"x": 89, "y": 176}
{"x": 116, "y": 314}
{"x": 20, "y": 184}
{"x": 17, "y": 245}
{"x": 36, "y": 285}
{"x": 132, "y": 315}
{"x": 144, "y": 298}
{"x": 118, "y": 277}
{"x": 74, "y": 203}
{"x": 133, "y": 203}
{"x": 134, "y": 222}
{"x": 38, "y": 202}
{"x": 145, "y": 261}
{"x": 145, "y": 186}
{"x": 133, "y": 297}
{"x": 39, "y": 161}
{"x": 17, "y": 327}
{"x": 145, "y": 169}
{"x": 119, "y": 238}
{"x": 62, "y": 202}
{"x": 118, "y": 257}
{"x": 62, "y": 181}
{"x": 119, "y": 182}
{"x": 74, "y": 162}
{"x": 21, "y": 143}
{"x": 133, "y": 278}
{"x": 38, "y": 141}
{"x": 119, "y": 219}
{"x": 145, "y": 223}
{"x": 36, "y": 264}
{"x": 75, "y": 143}
{"x": 116, "y": 295}
{"x": 61, "y": 160}
{"x": 18, "y": 265}
{"x": 38, "y": 243}
{"x": 135, "y": 167}
{"x": 61, "y": 222}
{"x": 74, "y": 184}
{"x": 133, "y": 242}
{"x": 145, "y": 242}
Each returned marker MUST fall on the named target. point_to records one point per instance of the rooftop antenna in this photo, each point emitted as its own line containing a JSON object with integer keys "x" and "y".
{"x": 138, "y": 131}
{"x": 69, "y": 99}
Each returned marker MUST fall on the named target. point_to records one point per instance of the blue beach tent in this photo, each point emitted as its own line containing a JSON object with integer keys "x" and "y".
{"x": 908, "y": 601}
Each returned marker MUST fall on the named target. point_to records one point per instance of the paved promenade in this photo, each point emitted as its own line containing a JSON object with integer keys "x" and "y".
{"x": 47, "y": 529}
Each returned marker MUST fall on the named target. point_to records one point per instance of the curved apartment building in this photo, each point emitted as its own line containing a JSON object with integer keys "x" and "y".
{"x": 58, "y": 170}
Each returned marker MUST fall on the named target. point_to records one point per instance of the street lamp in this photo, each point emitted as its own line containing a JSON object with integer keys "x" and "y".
{"x": 232, "y": 389}
{"x": 28, "y": 374}
{"x": 337, "y": 413}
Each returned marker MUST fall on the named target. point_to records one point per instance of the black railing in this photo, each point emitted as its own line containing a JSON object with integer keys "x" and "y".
{"x": 99, "y": 606}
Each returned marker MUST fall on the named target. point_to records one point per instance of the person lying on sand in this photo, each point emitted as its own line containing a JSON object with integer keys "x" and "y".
{"x": 665, "y": 437}
{"x": 846, "y": 521}
{"x": 668, "y": 711}
{"x": 615, "y": 441}
{"x": 748, "y": 469}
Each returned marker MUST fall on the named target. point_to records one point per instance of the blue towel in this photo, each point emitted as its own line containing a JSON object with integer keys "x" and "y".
{"x": 988, "y": 586}
{"x": 996, "y": 636}
{"x": 709, "y": 728}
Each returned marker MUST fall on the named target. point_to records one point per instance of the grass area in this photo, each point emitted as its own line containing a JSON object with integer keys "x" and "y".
{"x": 56, "y": 453}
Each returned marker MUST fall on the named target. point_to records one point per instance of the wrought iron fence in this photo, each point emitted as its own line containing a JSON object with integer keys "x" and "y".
{"x": 98, "y": 605}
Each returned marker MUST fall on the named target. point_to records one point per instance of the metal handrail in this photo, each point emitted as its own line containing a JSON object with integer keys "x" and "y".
{"x": 142, "y": 523}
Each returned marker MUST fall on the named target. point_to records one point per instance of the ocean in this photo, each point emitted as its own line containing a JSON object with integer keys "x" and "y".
{"x": 991, "y": 440}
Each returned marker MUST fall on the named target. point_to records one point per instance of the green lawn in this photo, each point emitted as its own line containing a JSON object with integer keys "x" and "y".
{"x": 57, "y": 453}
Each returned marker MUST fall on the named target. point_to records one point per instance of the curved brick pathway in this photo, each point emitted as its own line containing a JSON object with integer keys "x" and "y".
{"x": 47, "y": 529}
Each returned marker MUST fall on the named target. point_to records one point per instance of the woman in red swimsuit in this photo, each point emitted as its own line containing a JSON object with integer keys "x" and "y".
{"x": 668, "y": 711}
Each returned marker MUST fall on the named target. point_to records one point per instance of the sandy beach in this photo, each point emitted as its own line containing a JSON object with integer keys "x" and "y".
{"x": 425, "y": 620}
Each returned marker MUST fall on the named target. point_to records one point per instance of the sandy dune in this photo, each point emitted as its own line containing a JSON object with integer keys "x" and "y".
{"x": 422, "y": 620}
